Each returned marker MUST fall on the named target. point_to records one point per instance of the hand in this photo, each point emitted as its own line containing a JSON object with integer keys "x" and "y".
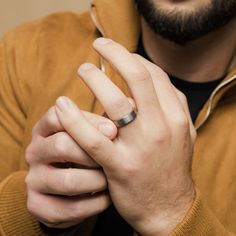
{"x": 62, "y": 176}
{"x": 148, "y": 165}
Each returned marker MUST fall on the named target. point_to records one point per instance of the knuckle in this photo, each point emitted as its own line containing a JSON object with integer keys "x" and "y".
{"x": 48, "y": 120}
{"x": 156, "y": 136}
{"x": 60, "y": 215}
{"x": 69, "y": 184}
{"x": 33, "y": 204}
{"x": 93, "y": 146}
{"x": 139, "y": 74}
{"x": 182, "y": 97}
{"x": 136, "y": 55}
{"x": 33, "y": 151}
{"x": 48, "y": 182}
{"x": 61, "y": 144}
{"x": 119, "y": 102}
{"x": 182, "y": 122}
{"x": 162, "y": 137}
{"x": 150, "y": 134}
{"x": 29, "y": 154}
{"x": 78, "y": 213}
{"x": 103, "y": 201}
{"x": 51, "y": 118}
{"x": 161, "y": 74}
{"x": 102, "y": 184}
{"x": 28, "y": 180}
{"x": 129, "y": 170}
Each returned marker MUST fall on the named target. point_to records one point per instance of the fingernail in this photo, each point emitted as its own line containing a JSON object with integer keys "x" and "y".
{"x": 85, "y": 67}
{"x": 102, "y": 41}
{"x": 106, "y": 128}
{"x": 63, "y": 103}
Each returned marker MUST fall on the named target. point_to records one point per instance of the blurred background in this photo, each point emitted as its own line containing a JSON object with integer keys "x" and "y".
{"x": 16, "y": 12}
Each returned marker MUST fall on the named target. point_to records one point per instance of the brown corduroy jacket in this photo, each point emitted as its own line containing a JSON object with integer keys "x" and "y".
{"x": 38, "y": 63}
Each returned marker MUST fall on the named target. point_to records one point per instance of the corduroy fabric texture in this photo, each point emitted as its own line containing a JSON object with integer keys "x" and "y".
{"x": 14, "y": 217}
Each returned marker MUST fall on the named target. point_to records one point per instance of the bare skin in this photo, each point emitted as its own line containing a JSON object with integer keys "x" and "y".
{"x": 145, "y": 185}
{"x": 61, "y": 197}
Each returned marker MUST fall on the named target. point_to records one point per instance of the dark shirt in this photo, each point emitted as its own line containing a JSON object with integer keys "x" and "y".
{"x": 196, "y": 93}
{"x": 110, "y": 222}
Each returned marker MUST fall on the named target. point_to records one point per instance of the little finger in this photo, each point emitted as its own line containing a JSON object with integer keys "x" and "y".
{"x": 56, "y": 210}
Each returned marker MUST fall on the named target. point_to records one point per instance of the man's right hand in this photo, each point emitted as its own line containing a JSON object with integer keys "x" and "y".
{"x": 65, "y": 186}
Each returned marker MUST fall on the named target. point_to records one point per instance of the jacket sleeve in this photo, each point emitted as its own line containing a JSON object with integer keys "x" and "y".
{"x": 18, "y": 60}
{"x": 200, "y": 220}
{"x": 14, "y": 218}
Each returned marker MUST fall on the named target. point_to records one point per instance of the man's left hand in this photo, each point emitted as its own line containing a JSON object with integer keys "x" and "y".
{"x": 148, "y": 165}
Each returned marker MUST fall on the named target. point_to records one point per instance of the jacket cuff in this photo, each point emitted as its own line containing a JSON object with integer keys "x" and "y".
{"x": 14, "y": 217}
{"x": 199, "y": 221}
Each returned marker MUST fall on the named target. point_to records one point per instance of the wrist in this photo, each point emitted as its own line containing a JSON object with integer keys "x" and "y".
{"x": 166, "y": 218}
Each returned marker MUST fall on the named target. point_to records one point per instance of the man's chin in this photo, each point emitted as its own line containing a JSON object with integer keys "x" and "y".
{"x": 180, "y": 26}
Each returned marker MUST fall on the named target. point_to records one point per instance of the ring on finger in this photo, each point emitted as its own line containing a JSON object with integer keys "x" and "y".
{"x": 130, "y": 117}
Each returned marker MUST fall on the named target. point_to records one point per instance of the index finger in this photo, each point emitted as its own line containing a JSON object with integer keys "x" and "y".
{"x": 50, "y": 124}
{"x": 133, "y": 72}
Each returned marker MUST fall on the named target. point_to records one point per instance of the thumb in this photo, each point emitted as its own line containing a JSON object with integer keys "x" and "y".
{"x": 103, "y": 124}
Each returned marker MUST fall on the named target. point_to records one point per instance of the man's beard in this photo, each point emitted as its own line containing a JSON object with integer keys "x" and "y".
{"x": 182, "y": 27}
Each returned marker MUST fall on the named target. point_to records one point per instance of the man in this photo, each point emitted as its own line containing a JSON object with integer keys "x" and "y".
{"x": 142, "y": 170}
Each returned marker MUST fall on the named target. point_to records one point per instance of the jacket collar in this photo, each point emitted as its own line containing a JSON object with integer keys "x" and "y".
{"x": 119, "y": 20}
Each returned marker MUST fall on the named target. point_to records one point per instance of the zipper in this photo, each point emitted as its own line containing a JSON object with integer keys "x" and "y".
{"x": 217, "y": 89}
{"x": 101, "y": 31}
{"x": 95, "y": 21}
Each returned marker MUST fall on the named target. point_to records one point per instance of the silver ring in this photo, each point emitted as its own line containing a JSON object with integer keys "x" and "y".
{"x": 126, "y": 119}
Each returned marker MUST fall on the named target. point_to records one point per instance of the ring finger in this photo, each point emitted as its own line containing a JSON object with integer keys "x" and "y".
{"x": 66, "y": 182}
{"x": 61, "y": 148}
{"x": 56, "y": 211}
